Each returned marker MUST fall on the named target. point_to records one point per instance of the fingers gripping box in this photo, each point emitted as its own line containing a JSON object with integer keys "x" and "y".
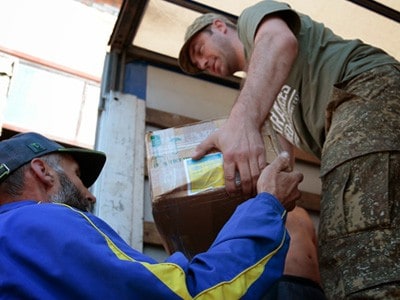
{"x": 189, "y": 201}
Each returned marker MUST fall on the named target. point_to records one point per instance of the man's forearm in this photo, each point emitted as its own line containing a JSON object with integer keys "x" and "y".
{"x": 275, "y": 49}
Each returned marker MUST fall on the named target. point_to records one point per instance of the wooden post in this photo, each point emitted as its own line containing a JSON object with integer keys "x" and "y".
{"x": 120, "y": 188}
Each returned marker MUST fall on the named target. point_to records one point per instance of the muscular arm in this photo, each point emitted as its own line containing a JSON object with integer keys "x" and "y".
{"x": 240, "y": 139}
{"x": 275, "y": 49}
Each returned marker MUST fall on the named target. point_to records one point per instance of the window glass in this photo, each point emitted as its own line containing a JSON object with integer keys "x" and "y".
{"x": 52, "y": 103}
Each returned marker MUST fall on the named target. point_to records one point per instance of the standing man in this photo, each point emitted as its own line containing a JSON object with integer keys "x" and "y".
{"x": 52, "y": 248}
{"x": 334, "y": 98}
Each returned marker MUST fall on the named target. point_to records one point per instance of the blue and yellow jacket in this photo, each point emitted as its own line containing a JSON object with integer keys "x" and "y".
{"x": 53, "y": 251}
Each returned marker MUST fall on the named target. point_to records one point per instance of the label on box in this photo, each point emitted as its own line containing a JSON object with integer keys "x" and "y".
{"x": 204, "y": 174}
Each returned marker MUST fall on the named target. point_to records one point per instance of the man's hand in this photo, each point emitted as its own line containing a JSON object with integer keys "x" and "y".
{"x": 243, "y": 149}
{"x": 276, "y": 180}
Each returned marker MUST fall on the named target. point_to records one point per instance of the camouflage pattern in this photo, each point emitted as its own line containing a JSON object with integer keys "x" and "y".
{"x": 359, "y": 232}
{"x": 387, "y": 291}
{"x": 360, "y": 225}
{"x": 363, "y": 117}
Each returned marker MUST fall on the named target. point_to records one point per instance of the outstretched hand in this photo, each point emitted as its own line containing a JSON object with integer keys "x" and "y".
{"x": 243, "y": 150}
{"x": 278, "y": 181}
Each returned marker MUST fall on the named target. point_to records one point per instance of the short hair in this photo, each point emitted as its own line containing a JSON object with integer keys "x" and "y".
{"x": 14, "y": 184}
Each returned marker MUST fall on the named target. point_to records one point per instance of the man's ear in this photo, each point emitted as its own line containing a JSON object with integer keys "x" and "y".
{"x": 220, "y": 25}
{"x": 43, "y": 171}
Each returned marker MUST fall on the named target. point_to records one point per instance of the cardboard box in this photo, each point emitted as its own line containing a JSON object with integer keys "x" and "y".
{"x": 189, "y": 201}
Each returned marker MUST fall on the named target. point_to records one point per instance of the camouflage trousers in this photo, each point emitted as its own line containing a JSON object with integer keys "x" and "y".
{"x": 359, "y": 231}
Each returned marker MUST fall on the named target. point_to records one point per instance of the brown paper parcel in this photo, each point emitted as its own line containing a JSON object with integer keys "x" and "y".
{"x": 189, "y": 201}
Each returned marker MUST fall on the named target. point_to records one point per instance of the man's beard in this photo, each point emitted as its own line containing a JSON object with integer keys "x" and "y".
{"x": 69, "y": 194}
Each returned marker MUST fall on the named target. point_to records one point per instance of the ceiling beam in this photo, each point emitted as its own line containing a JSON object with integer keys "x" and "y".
{"x": 127, "y": 24}
{"x": 379, "y": 8}
{"x": 202, "y": 8}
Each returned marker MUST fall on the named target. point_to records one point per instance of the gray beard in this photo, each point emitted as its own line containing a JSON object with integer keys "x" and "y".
{"x": 69, "y": 194}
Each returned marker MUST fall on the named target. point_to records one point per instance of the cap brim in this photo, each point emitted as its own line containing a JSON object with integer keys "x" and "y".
{"x": 90, "y": 163}
{"x": 184, "y": 59}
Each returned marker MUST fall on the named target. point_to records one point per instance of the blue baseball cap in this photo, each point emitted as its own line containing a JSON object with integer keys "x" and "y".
{"x": 22, "y": 148}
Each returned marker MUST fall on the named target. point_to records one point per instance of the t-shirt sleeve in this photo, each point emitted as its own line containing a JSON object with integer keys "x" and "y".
{"x": 252, "y": 16}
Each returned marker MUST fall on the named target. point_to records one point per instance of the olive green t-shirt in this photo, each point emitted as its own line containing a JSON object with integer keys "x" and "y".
{"x": 324, "y": 59}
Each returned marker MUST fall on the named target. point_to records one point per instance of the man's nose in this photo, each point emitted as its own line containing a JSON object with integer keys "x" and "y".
{"x": 202, "y": 63}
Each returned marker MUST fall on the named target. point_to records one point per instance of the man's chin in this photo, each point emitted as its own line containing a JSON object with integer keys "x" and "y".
{"x": 87, "y": 207}
{"x": 90, "y": 208}
{"x": 224, "y": 72}
{"x": 219, "y": 74}
{"x": 82, "y": 205}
